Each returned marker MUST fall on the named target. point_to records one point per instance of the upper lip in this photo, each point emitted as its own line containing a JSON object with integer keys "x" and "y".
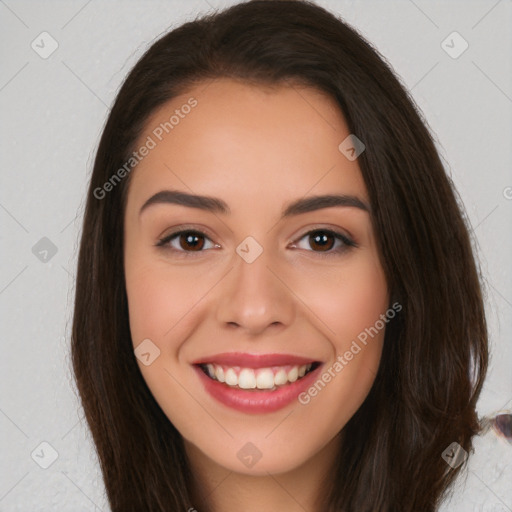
{"x": 246, "y": 360}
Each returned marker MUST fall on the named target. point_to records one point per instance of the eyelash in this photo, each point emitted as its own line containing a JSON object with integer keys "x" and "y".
{"x": 347, "y": 242}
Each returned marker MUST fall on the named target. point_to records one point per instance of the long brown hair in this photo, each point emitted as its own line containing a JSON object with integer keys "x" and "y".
{"x": 435, "y": 351}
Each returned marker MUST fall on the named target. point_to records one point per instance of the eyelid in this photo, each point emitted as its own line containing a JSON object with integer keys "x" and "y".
{"x": 331, "y": 229}
{"x": 347, "y": 241}
{"x": 176, "y": 230}
{"x": 163, "y": 241}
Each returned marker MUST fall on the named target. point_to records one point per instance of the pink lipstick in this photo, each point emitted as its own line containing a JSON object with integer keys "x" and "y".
{"x": 256, "y": 383}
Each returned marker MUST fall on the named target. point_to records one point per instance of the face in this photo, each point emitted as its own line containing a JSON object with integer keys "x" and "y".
{"x": 279, "y": 298}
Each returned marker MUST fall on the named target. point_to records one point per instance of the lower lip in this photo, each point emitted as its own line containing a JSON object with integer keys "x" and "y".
{"x": 256, "y": 401}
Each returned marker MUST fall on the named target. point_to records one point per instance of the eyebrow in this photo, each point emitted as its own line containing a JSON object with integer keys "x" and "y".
{"x": 216, "y": 205}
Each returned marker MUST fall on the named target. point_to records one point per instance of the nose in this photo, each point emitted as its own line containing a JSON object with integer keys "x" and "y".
{"x": 255, "y": 297}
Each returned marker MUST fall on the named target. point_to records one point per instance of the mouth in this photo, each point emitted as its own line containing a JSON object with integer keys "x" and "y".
{"x": 256, "y": 383}
{"x": 269, "y": 378}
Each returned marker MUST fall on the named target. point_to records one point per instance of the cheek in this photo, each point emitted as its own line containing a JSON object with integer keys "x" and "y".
{"x": 157, "y": 298}
{"x": 148, "y": 301}
{"x": 349, "y": 300}
{"x": 351, "y": 304}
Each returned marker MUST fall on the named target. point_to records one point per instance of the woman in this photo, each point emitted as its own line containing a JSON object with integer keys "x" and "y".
{"x": 277, "y": 305}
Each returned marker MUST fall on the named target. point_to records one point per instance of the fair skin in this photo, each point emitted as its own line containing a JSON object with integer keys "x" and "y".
{"x": 257, "y": 149}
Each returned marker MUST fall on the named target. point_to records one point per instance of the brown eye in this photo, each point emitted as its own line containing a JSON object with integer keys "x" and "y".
{"x": 189, "y": 240}
{"x": 186, "y": 241}
{"x": 326, "y": 242}
{"x": 322, "y": 240}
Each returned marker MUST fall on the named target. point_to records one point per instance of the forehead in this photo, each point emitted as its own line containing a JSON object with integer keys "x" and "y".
{"x": 227, "y": 136}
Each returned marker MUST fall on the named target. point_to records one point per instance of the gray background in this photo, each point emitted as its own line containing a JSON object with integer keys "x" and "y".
{"x": 53, "y": 111}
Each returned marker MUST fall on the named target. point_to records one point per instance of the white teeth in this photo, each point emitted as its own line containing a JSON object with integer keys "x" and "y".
{"x": 231, "y": 377}
{"x": 219, "y": 373}
{"x": 280, "y": 378}
{"x": 247, "y": 379}
{"x": 262, "y": 378}
{"x": 265, "y": 379}
{"x": 293, "y": 374}
{"x": 211, "y": 370}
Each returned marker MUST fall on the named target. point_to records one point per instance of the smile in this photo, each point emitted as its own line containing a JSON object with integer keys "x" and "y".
{"x": 260, "y": 378}
{"x": 256, "y": 383}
